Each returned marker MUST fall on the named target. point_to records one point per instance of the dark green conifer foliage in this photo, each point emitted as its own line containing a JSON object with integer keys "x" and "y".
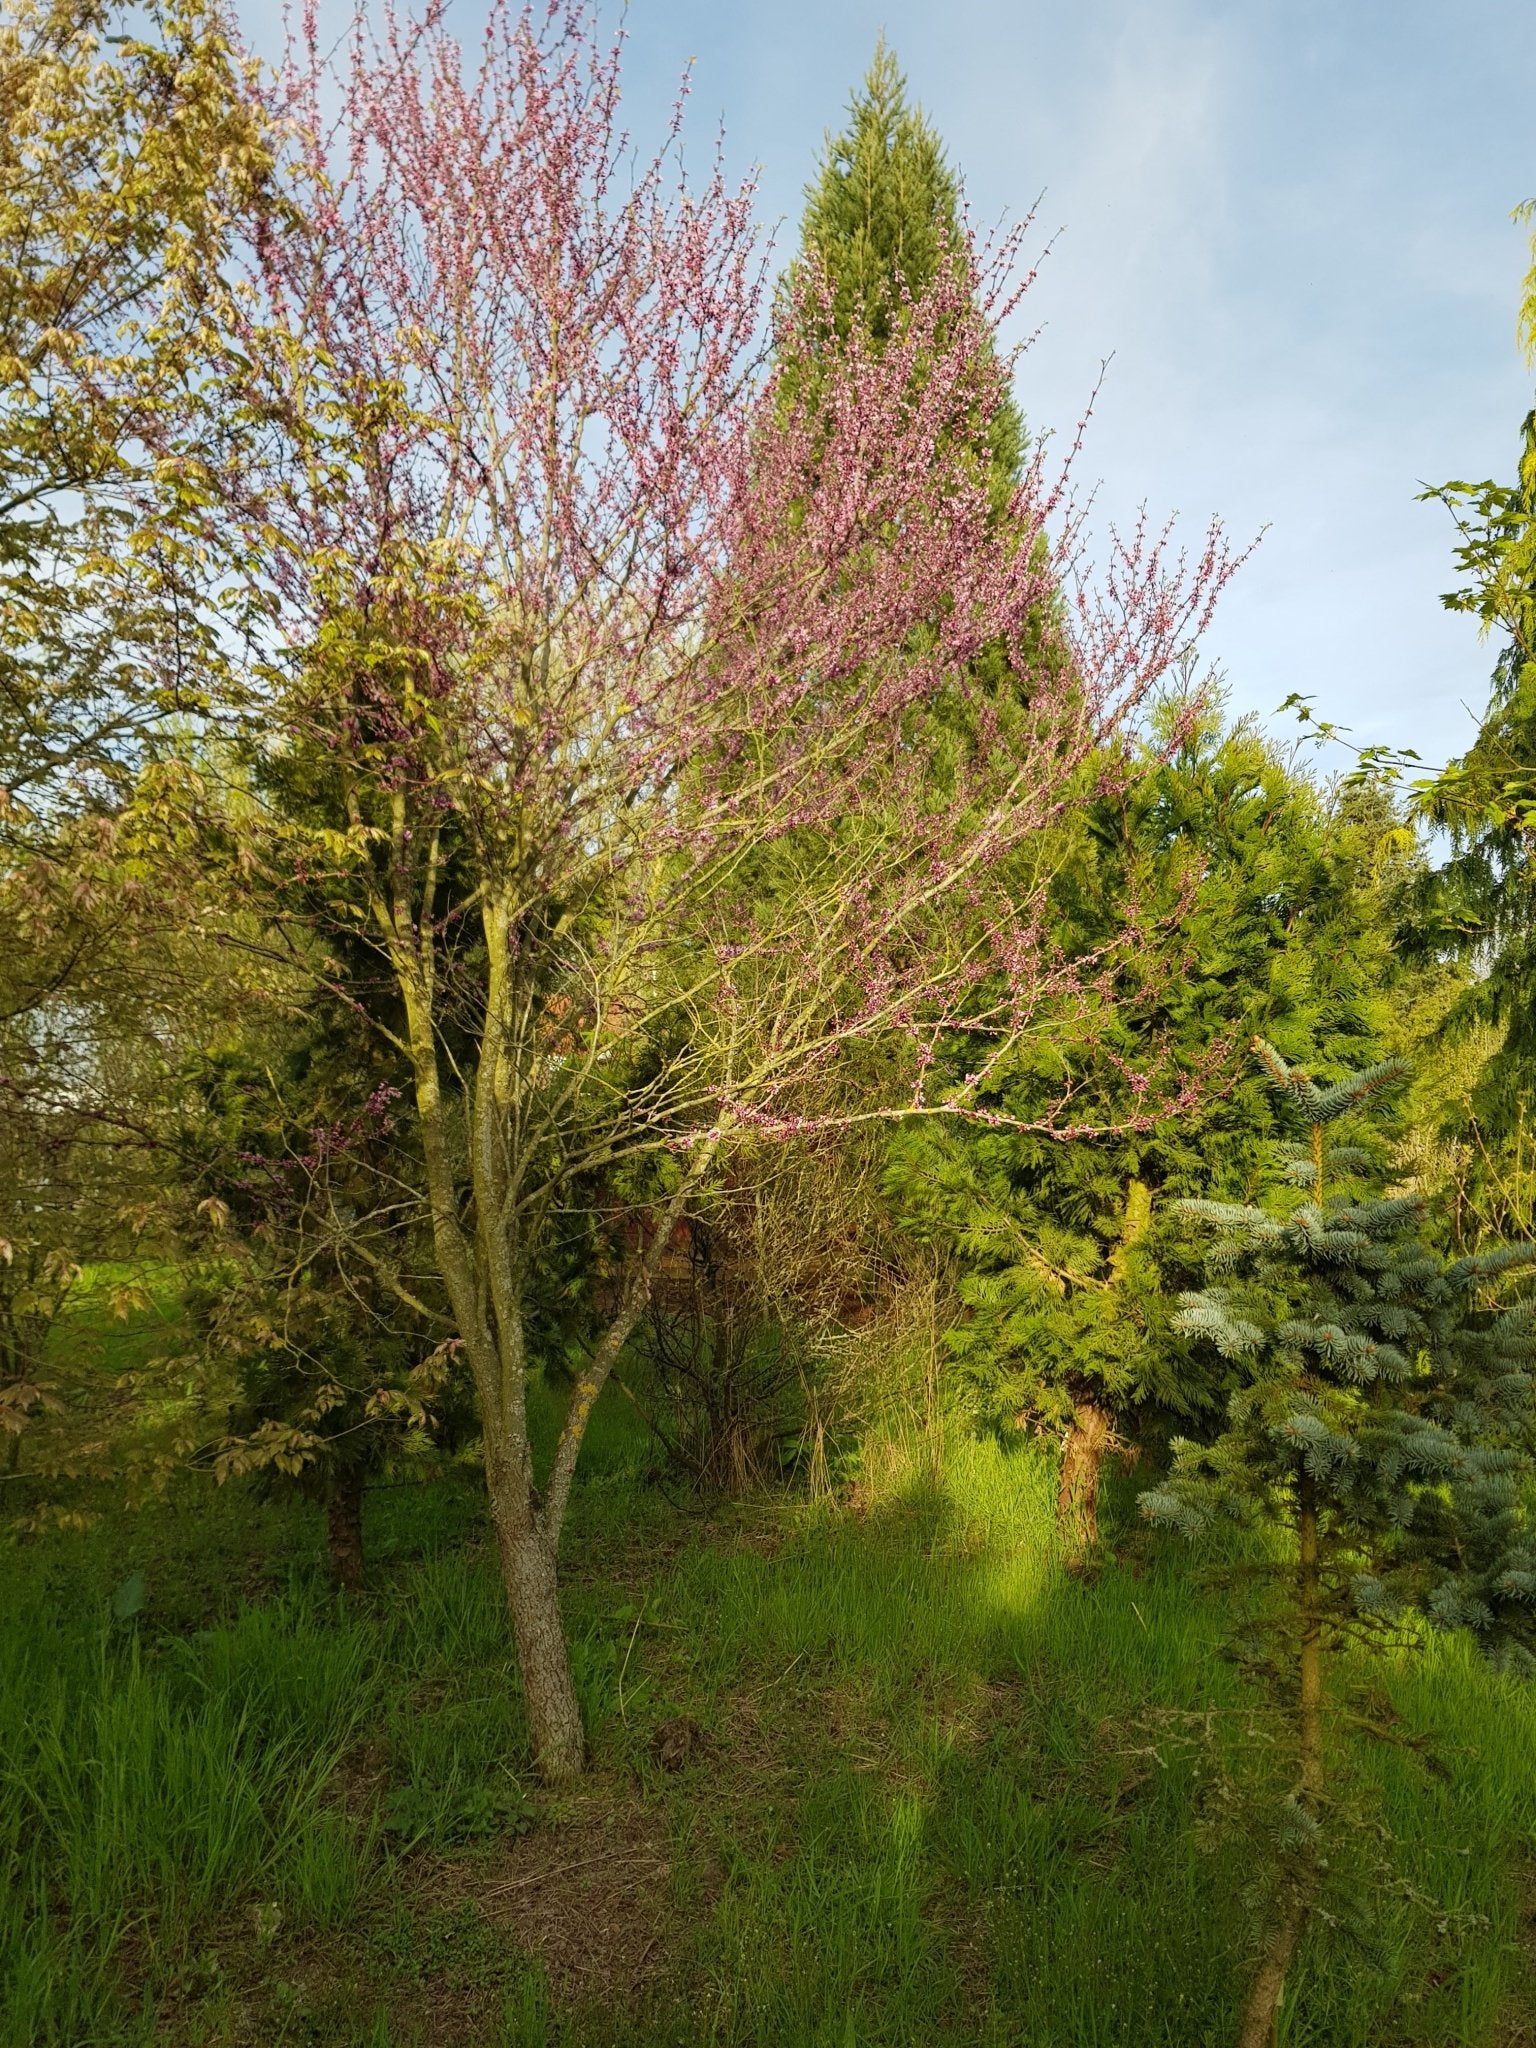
{"x": 1378, "y": 1426}
{"x": 1066, "y": 1253}
{"x": 882, "y": 214}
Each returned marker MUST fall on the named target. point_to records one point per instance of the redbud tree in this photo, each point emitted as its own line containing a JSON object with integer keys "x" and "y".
{"x": 616, "y": 656}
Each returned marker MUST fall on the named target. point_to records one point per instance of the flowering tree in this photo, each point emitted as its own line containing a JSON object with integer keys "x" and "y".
{"x": 610, "y": 660}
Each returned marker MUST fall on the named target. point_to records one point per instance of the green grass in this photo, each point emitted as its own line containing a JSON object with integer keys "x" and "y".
{"x": 948, "y": 1793}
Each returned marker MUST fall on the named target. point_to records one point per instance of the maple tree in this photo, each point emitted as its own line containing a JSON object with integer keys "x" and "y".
{"x": 128, "y": 142}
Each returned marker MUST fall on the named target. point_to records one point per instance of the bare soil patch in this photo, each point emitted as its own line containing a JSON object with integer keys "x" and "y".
{"x": 589, "y": 1899}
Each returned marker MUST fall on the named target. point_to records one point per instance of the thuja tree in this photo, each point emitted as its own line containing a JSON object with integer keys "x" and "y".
{"x": 1266, "y": 912}
{"x": 1379, "y": 1427}
{"x": 587, "y": 615}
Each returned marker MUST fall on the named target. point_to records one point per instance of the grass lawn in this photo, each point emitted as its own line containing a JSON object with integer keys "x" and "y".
{"x": 872, "y": 1774}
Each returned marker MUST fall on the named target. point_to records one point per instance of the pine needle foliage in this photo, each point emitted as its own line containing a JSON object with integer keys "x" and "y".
{"x": 1387, "y": 1393}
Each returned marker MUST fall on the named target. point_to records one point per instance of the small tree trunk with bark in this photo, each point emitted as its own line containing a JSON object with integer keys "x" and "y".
{"x": 1091, "y": 1435}
{"x": 344, "y": 1531}
{"x": 933, "y": 1414}
{"x": 1082, "y": 1458}
{"x": 1261, "y": 2014}
{"x": 528, "y": 1569}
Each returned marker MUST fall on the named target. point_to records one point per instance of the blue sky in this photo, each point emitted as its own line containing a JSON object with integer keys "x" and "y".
{"x": 1287, "y": 221}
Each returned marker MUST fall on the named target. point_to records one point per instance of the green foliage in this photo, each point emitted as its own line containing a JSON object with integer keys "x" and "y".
{"x": 881, "y": 216}
{"x": 1384, "y": 1390}
{"x": 1281, "y": 912}
{"x": 311, "y": 1294}
{"x": 1480, "y": 907}
{"x": 128, "y": 140}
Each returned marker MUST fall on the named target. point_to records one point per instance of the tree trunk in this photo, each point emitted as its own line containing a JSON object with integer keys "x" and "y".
{"x": 1310, "y": 1662}
{"x": 933, "y": 1415}
{"x": 554, "y": 1717}
{"x": 344, "y": 1532}
{"x": 1261, "y": 2014}
{"x": 1082, "y": 1457}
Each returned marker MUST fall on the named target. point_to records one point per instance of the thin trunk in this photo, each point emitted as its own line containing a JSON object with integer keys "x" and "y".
{"x": 492, "y": 1335}
{"x": 483, "y": 1269}
{"x": 605, "y": 1356}
{"x": 529, "y": 1572}
{"x": 1310, "y": 1664}
{"x": 344, "y": 1532}
{"x": 1261, "y": 2014}
{"x": 1091, "y": 1433}
{"x": 933, "y": 1415}
{"x": 1082, "y": 1460}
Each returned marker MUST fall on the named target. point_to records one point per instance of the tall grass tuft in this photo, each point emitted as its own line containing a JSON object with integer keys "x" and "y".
{"x": 143, "y": 1789}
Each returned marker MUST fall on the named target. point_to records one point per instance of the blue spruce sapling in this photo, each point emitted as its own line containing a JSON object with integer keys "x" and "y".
{"x": 1381, "y": 1424}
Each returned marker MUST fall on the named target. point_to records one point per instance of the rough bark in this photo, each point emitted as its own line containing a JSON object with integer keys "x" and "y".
{"x": 344, "y": 1532}
{"x": 528, "y": 1569}
{"x": 1077, "y": 1503}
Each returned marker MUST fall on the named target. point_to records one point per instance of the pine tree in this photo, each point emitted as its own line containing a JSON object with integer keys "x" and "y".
{"x": 1379, "y": 1427}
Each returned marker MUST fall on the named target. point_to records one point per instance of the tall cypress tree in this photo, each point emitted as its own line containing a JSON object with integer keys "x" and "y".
{"x": 882, "y": 214}
{"x": 1379, "y": 1426}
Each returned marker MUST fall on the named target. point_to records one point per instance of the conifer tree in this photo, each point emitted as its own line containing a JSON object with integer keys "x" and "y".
{"x": 1066, "y": 1255}
{"x": 882, "y": 215}
{"x": 1481, "y": 906}
{"x": 1379, "y": 1427}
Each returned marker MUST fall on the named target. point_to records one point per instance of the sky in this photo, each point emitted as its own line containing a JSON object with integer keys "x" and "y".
{"x": 1285, "y": 223}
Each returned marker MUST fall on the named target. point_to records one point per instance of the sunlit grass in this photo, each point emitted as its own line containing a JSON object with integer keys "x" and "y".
{"x": 951, "y": 1792}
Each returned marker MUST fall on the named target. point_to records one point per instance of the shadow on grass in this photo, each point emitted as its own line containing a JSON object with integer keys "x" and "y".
{"x": 943, "y": 1792}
